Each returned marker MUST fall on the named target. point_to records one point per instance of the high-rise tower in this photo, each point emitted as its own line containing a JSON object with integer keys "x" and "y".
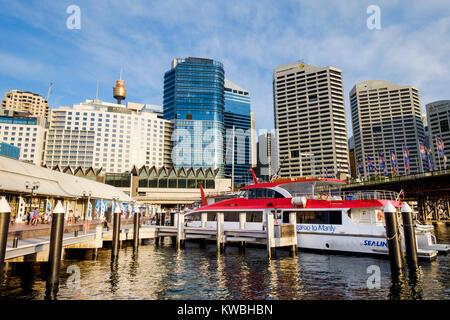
{"x": 194, "y": 100}
{"x": 310, "y": 119}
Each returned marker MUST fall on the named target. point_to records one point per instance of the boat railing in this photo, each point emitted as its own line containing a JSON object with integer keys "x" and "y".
{"x": 352, "y": 195}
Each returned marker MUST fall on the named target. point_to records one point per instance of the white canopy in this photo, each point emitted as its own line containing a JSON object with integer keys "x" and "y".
{"x": 14, "y": 174}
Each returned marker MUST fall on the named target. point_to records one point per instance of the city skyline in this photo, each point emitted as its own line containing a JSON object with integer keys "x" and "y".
{"x": 409, "y": 49}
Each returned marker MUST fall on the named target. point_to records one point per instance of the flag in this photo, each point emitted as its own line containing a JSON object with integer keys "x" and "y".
{"x": 382, "y": 163}
{"x": 406, "y": 158}
{"x": 360, "y": 166}
{"x": 440, "y": 147}
{"x": 370, "y": 164}
{"x": 393, "y": 161}
{"x": 48, "y": 207}
{"x": 423, "y": 150}
{"x": 430, "y": 159}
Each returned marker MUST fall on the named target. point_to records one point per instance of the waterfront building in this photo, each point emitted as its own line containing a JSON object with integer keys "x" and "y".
{"x": 438, "y": 119}
{"x": 25, "y": 101}
{"x": 385, "y": 117}
{"x": 310, "y": 119}
{"x": 194, "y": 101}
{"x": 24, "y": 132}
{"x": 238, "y": 125}
{"x": 105, "y": 135}
{"x": 267, "y": 156}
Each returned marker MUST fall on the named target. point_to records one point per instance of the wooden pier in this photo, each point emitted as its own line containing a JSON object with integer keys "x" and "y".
{"x": 273, "y": 236}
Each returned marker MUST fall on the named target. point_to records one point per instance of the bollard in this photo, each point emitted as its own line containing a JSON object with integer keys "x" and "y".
{"x": 116, "y": 232}
{"x": 220, "y": 235}
{"x": 410, "y": 237}
{"x": 5, "y": 216}
{"x": 75, "y": 233}
{"x": 392, "y": 236}
{"x": 55, "y": 251}
{"x": 137, "y": 221}
{"x": 269, "y": 231}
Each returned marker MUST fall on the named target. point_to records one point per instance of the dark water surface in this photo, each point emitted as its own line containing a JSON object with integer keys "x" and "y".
{"x": 199, "y": 273}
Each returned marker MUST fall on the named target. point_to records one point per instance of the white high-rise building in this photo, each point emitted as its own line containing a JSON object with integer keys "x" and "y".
{"x": 27, "y": 133}
{"x": 310, "y": 119}
{"x": 438, "y": 119}
{"x": 385, "y": 117}
{"x": 105, "y": 135}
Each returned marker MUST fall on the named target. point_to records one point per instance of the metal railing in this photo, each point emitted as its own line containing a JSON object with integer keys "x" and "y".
{"x": 436, "y": 173}
{"x": 352, "y": 195}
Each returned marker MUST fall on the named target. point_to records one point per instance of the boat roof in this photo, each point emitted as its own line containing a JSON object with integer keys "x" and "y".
{"x": 243, "y": 204}
{"x": 319, "y": 181}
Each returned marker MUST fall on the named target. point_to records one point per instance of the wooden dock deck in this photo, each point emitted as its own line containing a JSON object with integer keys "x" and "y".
{"x": 37, "y": 248}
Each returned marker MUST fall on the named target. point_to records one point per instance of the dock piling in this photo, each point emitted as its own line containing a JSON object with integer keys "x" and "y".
{"x": 410, "y": 238}
{"x": 220, "y": 232}
{"x": 180, "y": 229}
{"x": 270, "y": 231}
{"x": 293, "y": 220}
{"x": 116, "y": 232}
{"x": 55, "y": 251}
{"x": 5, "y": 216}
{"x": 136, "y": 225}
{"x": 204, "y": 218}
{"x": 392, "y": 236}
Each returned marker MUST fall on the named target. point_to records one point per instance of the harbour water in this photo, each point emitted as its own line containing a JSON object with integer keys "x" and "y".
{"x": 163, "y": 272}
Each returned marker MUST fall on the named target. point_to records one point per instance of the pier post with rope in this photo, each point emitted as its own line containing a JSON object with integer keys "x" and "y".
{"x": 268, "y": 214}
{"x": 5, "y": 216}
{"x": 220, "y": 232}
{"x": 410, "y": 238}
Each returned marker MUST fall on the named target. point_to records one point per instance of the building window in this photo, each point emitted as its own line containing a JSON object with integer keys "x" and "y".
{"x": 444, "y": 125}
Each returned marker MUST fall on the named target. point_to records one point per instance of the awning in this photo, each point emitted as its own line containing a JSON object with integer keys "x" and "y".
{"x": 14, "y": 174}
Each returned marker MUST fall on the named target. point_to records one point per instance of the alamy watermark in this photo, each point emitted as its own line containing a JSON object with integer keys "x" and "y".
{"x": 374, "y": 20}
{"x": 374, "y": 280}
{"x": 74, "y": 280}
{"x": 74, "y": 20}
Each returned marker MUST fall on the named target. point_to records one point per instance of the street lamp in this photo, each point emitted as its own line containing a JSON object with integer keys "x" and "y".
{"x": 87, "y": 194}
{"x": 33, "y": 186}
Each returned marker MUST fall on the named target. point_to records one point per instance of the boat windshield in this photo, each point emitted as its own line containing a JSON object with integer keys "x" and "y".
{"x": 263, "y": 193}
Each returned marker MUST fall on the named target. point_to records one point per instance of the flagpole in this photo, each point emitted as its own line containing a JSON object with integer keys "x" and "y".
{"x": 439, "y": 156}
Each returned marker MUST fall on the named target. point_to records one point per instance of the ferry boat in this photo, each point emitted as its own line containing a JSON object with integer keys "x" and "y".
{"x": 327, "y": 218}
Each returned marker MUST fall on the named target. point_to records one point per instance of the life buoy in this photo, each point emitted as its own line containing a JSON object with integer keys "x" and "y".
{"x": 324, "y": 195}
{"x": 379, "y": 216}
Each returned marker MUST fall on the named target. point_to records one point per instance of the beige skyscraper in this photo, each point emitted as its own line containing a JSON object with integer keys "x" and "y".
{"x": 310, "y": 119}
{"x": 25, "y": 101}
{"x": 438, "y": 118}
{"x": 387, "y": 116}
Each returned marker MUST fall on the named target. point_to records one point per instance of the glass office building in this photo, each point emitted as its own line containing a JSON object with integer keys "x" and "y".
{"x": 9, "y": 150}
{"x": 194, "y": 101}
{"x": 237, "y": 116}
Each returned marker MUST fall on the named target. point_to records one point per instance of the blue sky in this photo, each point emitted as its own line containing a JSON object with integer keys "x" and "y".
{"x": 250, "y": 38}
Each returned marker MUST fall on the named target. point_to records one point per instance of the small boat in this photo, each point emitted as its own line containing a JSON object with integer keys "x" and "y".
{"x": 327, "y": 219}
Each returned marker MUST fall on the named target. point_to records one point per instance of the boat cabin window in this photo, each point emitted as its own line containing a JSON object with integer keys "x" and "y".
{"x": 263, "y": 193}
{"x": 316, "y": 217}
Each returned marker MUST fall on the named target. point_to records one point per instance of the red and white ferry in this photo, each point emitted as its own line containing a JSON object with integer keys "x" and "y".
{"x": 327, "y": 218}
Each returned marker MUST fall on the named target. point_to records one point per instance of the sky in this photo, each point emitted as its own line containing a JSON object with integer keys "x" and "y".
{"x": 251, "y": 39}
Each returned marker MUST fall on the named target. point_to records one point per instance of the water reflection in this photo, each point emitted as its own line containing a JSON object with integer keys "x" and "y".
{"x": 163, "y": 272}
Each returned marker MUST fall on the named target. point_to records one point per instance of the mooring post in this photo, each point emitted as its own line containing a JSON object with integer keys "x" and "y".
{"x": 269, "y": 231}
{"x": 220, "y": 232}
{"x": 5, "y": 216}
{"x": 55, "y": 251}
{"x": 392, "y": 236}
{"x": 136, "y": 226}
{"x": 242, "y": 221}
{"x": 204, "y": 218}
{"x": 116, "y": 232}
{"x": 293, "y": 221}
{"x": 180, "y": 229}
{"x": 410, "y": 237}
